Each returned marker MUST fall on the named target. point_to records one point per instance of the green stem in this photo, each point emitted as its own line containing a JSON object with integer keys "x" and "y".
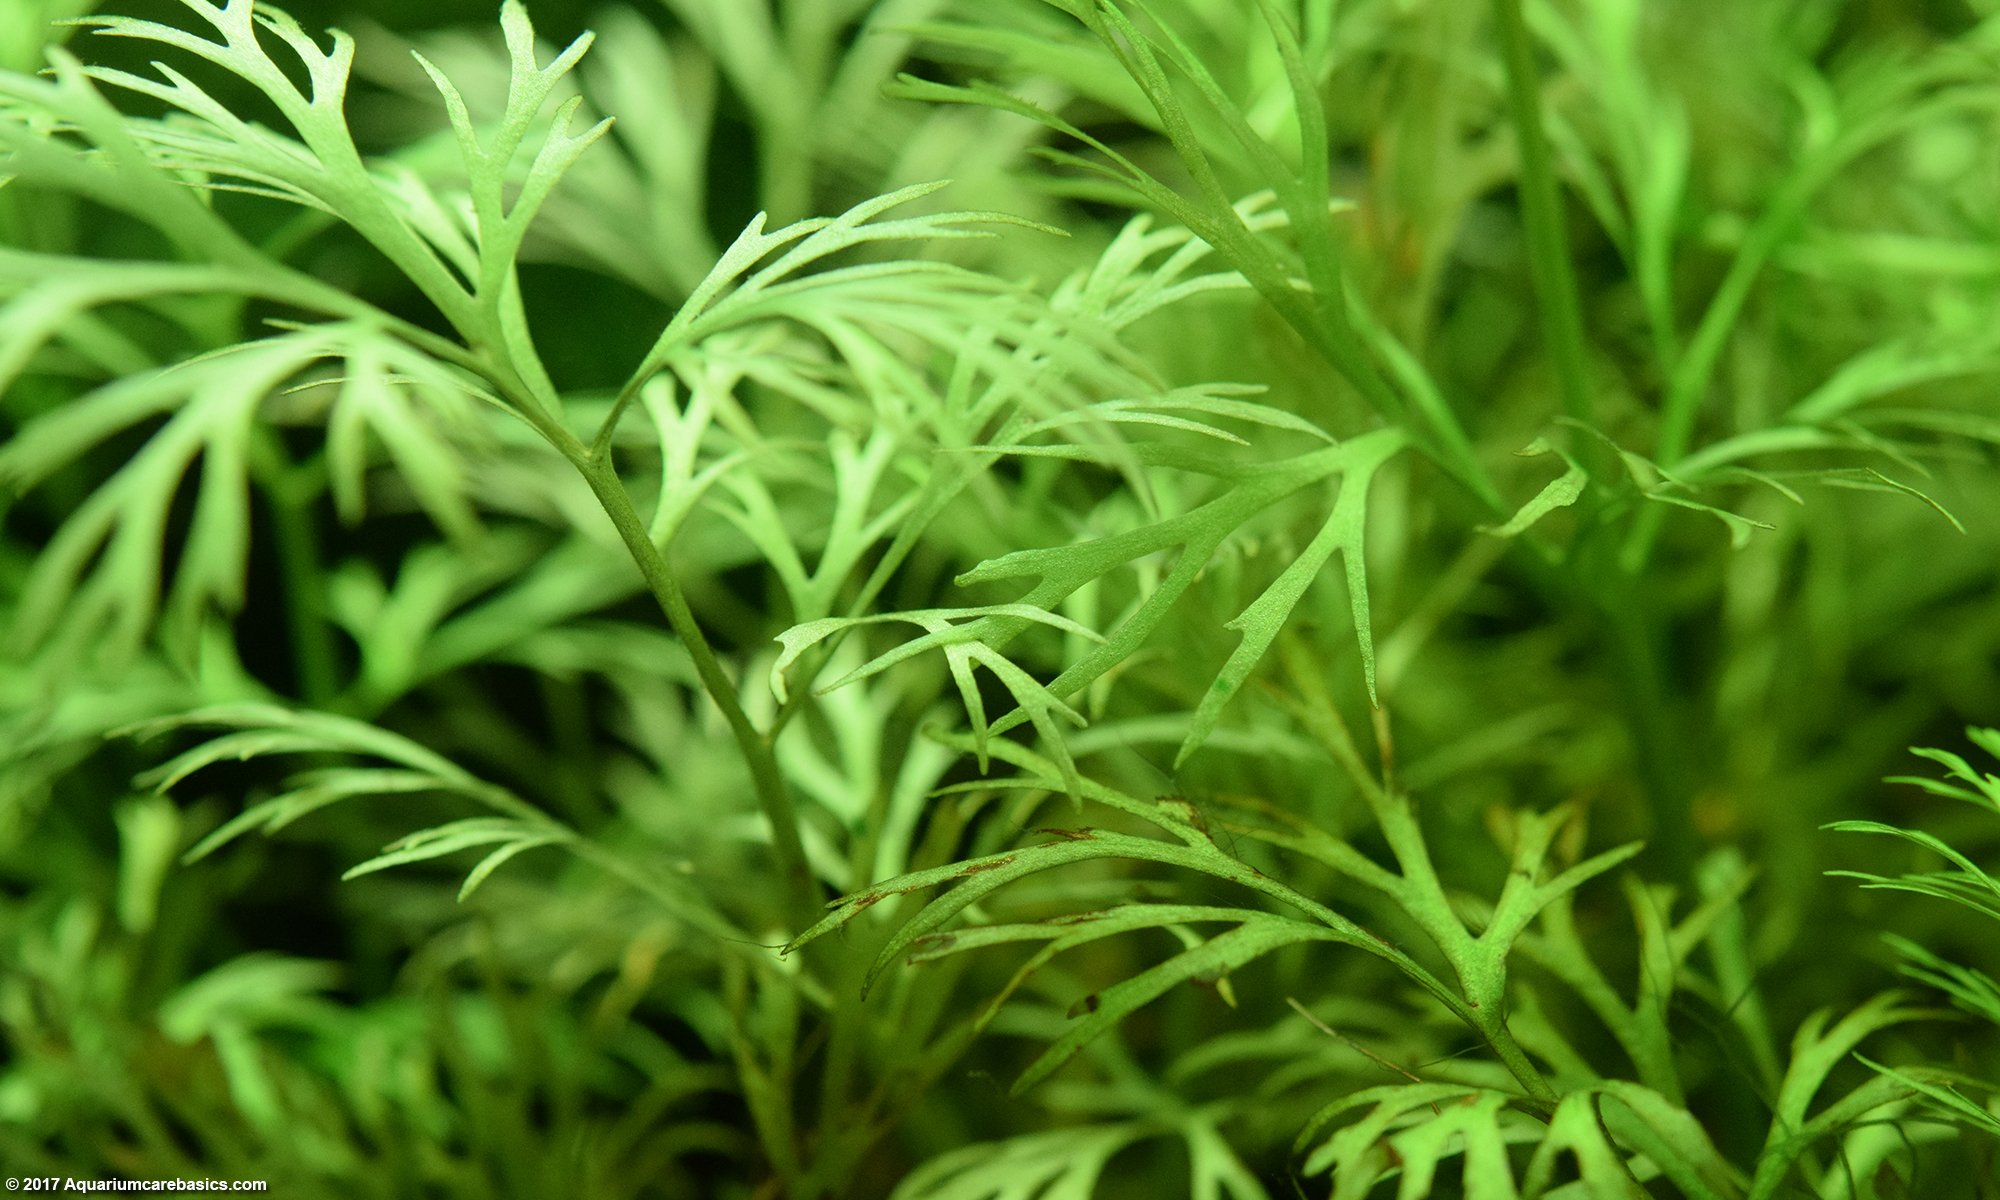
{"x": 289, "y": 487}
{"x": 772, "y": 794}
{"x": 600, "y": 445}
{"x": 1658, "y": 746}
{"x": 755, "y": 746}
{"x": 1550, "y": 261}
{"x": 1449, "y": 444}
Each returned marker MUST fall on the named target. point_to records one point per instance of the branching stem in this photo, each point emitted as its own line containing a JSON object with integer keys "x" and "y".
{"x": 1416, "y": 889}
{"x": 773, "y": 796}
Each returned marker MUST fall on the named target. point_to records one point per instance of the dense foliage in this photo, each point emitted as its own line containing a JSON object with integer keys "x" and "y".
{"x": 1002, "y": 599}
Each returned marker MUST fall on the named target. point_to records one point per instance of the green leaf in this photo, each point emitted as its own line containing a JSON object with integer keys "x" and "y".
{"x": 1818, "y": 1049}
{"x": 106, "y": 565}
{"x": 1357, "y": 1153}
{"x": 1969, "y": 872}
{"x": 261, "y": 730}
{"x": 1868, "y": 479}
{"x": 503, "y": 223}
{"x": 1942, "y": 1096}
{"x": 268, "y": 729}
{"x": 1559, "y": 492}
{"x": 103, "y": 573}
{"x": 734, "y": 293}
{"x": 512, "y": 836}
{"x": 253, "y": 991}
{"x": 419, "y": 413}
{"x": 149, "y": 831}
{"x": 979, "y": 877}
{"x": 306, "y": 794}
{"x": 1471, "y": 1128}
{"x": 1884, "y": 369}
{"x": 1672, "y": 1138}
{"x": 1972, "y": 990}
{"x": 1196, "y": 533}
{"x": 1064, "y": 934}
{"x": 1740, "y": 527}
{"x": 1210, "y": 959}
{"x": 1577, "y": 1130}
{"x": 1059, "y": 1164}
{"x": 1265, "y": 618}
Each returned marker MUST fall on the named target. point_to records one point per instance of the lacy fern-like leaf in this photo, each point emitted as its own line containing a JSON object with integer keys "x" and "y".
{"x": 1965, "y": 882}
{"x": 1261, "y": 623}
{"x": 471, "y": 282}
{"x": 106, "y": 563}
{"x": 1196, "y": 535}
{"x": 259, "y": 731}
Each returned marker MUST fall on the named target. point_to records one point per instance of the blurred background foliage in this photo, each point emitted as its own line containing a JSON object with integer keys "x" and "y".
{"x": 560, "y": 1032}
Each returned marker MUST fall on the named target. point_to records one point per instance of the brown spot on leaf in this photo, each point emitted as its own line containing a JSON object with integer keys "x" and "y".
{"x": 1083, "y": 834}
{"x": 1089, "y": 1004}
{"x": 1082, "y": 918}
{"x": 981, "y": 868}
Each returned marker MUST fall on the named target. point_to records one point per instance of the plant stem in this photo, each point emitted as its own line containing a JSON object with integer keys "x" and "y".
{"x": 1658, "y": 746}
{"x": 497, "y": 368}
{"x": 772, "y": 794}
{"x": 1550, "y": 262}
{"x": 289, "y": 487}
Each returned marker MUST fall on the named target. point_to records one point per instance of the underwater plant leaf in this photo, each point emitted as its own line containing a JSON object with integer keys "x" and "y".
{"x": 1058, "y": 1164}
{"x": 1210, "y": 959}
{"x": 510, "y": 836}
{"x": 1560, "y": 492}
{"x": 1261, "y": 623}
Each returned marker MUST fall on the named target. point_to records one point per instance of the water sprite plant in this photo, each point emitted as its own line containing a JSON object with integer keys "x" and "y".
{"x": 909, "y": 610}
